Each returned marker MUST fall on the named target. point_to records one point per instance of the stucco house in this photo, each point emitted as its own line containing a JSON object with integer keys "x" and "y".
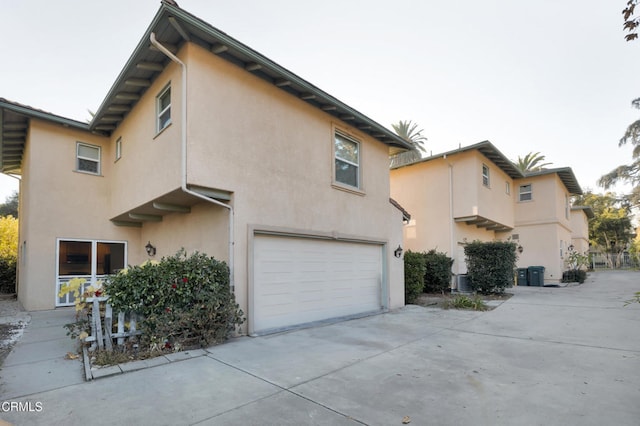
{"x": 580, "y": 216}
{"x": 476, "y": 193}
{"x": 204, "y": 143}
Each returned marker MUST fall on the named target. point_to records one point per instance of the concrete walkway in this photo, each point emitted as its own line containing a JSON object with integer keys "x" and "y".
{"x": 547, "y": 356}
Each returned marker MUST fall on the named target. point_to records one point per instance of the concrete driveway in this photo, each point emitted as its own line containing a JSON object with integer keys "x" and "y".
{"x": 547, "y": 356}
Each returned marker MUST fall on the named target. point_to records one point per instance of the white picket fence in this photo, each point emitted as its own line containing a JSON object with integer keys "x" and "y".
{"x": 102, "y": 335}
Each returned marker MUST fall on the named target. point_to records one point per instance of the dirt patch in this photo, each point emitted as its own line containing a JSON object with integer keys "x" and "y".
{"x": 13, "y": 320}
{"x": 440, "y": 300}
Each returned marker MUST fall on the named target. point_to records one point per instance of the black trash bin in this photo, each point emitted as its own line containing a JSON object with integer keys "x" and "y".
{"x": 523, "y": 278}
{"x": 536, "y": 276}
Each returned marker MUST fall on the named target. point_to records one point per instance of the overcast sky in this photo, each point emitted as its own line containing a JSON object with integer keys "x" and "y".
{"x": 553, "y": 76}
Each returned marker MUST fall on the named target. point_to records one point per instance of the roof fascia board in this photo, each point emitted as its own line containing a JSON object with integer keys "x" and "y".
{"x": 33, "y": 113}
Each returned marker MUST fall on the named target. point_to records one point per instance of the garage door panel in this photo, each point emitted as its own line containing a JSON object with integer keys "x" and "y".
{"x": 301, "y": 280}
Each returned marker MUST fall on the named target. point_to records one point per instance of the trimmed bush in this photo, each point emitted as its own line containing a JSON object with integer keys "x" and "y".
{"x": 437, "y": 277}
{"x": 185, "y": 301}
{"x": 414, "y": 270}
{"x": 7, "y": 275}
{"x": 490, "y": 265}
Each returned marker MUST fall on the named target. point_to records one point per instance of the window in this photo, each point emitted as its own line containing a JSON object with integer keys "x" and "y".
{"x": 347, "y": 161}
{"x": 566, "y": 206}
{"x": 118, "y": 149}
{"x": 88, "y": 158}
{"x": 485, "y": 175}
{"x": 163, "y": 107}
{"x": 507, "y": 188}
{"x": 91, "y": 260}
{"x": 525, "y": 193}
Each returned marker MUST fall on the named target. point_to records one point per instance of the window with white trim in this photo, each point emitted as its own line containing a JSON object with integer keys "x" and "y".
{"x": 87, "y": 158}
{"x": 347, "y": 160}
{"x": 163, "y": 109}
{"x": 507, "y": 188}
{"x": 118, "y": 149}
{"x": 485, "y": 175}
{"x": 526, "y": 193}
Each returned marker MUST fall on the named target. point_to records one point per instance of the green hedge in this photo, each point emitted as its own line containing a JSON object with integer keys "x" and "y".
{"x": 414, "y": 270}
{"x": 490, "y": 265}
{"x": 7, "y": 275}
{"x": 185, "y": 300}
{"x": 437, "y": 276}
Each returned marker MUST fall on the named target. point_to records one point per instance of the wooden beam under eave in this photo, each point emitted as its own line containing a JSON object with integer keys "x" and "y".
{"x": 15, "y": 126}
{"x": 171, "y": 207}
{"x": 125, "y": 223}
{"x": 150, "y": 66}
{"x": 111, "y": 118}
{"x": 307, "y": 96}
{"x": 126, "y": 96}
{"x": 107, "y": 127}
{"x": 9, "y": 135}
{"x": 175, "y": 24}
{"x": 281, "y": 82}
{"x": 119, "y": 108}
{"x": 329, "y": 107}
{"x": 219, "y": 48}
{"x": 170, "y": 47}
{"x": 347, "y": 117}
{"x": 138, "y": 82}
{"x": 252, "y": 66}
{"x": 145, "y": 217}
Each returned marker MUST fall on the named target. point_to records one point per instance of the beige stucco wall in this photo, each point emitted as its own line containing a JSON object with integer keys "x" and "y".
{"x": 270, "y": 150}
{"x": 424, "y": 190}
{"x": 58, "y": 202}
{"x": 542, "y": 225}
{"x": 580, "y": 231}
{"x": 275, "y": 154}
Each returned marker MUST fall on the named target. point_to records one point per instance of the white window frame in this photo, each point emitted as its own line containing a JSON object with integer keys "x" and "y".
{"x": 93, "y": 278}
{"x": 342, "y": 135}
{"x": 521, "y": 193}
{"x": 80, "y": 157}
{"x": 118, "y": 148}
{"x": 507, "y": 187}
{"x": 162, "y": 111}
{"x": 486, "y": 177}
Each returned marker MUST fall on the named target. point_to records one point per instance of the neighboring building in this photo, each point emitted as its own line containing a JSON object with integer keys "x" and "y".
{"x": 216, "y": 149}
{"x": 476, "y": 193}
{"x": 580, "y": 216}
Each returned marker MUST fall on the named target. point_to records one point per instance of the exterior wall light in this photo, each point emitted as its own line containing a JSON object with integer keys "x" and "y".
{"x": 520, "y": 249}
{"x": 151, "y": 250}
{"x": 398, "y": 252}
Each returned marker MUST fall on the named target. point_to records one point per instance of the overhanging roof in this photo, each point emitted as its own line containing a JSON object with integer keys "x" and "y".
{"x": 173, "y": 27}
{"x": 483, "y": 222}
{"x": 14, "y": 124}
{"x": 487, "y": 149}
{"x": 566, "y": 176}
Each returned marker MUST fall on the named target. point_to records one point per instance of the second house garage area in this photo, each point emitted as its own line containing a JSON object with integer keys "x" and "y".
{"x": 300, "y": 280}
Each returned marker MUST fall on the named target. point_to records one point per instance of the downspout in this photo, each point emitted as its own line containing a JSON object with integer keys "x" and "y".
{"x": 183, "y": 158}
{"x": 452, "y": 239}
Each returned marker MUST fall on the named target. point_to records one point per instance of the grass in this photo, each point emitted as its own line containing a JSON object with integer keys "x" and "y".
{"x": 462, "y": 301}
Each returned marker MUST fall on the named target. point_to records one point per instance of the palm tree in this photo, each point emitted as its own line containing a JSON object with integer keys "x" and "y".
{"x": 409, "y": 131}
{"x": 532, "y": 162}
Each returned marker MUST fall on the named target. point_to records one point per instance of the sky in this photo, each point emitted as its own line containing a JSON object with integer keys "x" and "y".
{"x": 550, "y": 76}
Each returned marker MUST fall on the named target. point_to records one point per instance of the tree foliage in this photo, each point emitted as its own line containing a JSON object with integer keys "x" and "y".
{"x": 410, "y": 132}
{"x": 631, "y": 22}
{"x": 532, "y": 162}
{"x": 610, "y": 231}
{"x": 10, "y": 206}
{"x": 628, "y": 173}
{"x": 8, "y": 253}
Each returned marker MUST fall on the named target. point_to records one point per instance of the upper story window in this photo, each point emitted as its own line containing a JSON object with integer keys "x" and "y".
{"x": 566, "y": 206}
{"x": 485, "y": 175}
{"x": 507, "y": 188}
{"x": 525, "y": 193}
{"x": 118, "y": 149}
{"x": 87, "y": 158}
{"x": 163, "y": 108}
{"x": 347, "y": 161}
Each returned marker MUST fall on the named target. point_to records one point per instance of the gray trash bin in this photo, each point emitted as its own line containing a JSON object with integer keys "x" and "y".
{"x": 523, "y": 277}
{"x": 536, "y": 276}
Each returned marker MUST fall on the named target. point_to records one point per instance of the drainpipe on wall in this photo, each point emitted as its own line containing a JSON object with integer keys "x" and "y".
{"x": 183, "y": 138}
{"x": 452, "y": 238}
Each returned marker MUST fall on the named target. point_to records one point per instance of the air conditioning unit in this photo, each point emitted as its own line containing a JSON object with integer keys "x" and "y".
{"x": 463, "y": 283}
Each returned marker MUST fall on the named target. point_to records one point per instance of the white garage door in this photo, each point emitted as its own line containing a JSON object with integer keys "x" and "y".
{"x": 301, "y": 280}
